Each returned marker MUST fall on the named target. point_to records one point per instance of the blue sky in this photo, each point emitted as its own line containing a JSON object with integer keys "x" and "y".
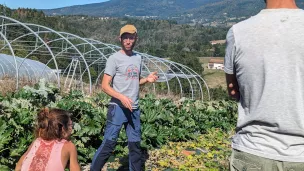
{"x": 45, "y": 4}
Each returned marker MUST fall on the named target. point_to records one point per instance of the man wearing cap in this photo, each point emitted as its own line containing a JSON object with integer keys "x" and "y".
{"x": 264, "y": 67}
{"x": 123, "y": 70}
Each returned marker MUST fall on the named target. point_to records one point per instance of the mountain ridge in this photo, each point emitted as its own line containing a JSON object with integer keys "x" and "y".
{"x": 183, "y": 11}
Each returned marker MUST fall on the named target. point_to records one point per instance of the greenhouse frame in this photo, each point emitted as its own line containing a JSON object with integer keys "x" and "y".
{"x": 31, "y": 52}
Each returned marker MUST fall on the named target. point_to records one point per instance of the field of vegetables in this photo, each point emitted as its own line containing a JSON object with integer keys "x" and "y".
{"x": 188, "y": 135}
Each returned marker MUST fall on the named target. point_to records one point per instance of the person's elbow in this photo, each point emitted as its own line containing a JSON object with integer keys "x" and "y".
{"x": 104, "y": 87}
{"x": 75, "y": 167}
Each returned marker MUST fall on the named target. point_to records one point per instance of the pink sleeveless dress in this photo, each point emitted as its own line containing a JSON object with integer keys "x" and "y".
{"x": 44, "y": 156}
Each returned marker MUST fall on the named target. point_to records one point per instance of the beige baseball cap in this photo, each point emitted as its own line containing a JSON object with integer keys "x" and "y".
{"x": 128, "y": 29}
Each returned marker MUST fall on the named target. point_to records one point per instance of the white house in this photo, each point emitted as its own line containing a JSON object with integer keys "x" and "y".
{"x": 216, "y": 64}
{"x": 215, "y": 42}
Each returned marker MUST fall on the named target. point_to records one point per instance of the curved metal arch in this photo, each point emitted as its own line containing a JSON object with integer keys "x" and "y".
{"x": 189, "y": 70}
{"x": 13, "y": 53}
{"x": 94, "y": 47}
{"x": 69, "y": 65}
{"x": 69, "y": 34}
{"x": 62, "y": 38}
{"x": 83, "y": 39}
{"x": 99, "y": 42}
{"x": 60, "y": 34}
{"x": 171, "y": 62}
{"x": 162, "y": 72}
{"x": 208, "y": 91}
{"x": 21, "y": 64}
{"x": 67, "y": 40}
{"x": 154, "y": 88}
{"x": 2, "y": 68}
{"x": 115, "y": 46}
{"x": 184, "y": 67}
{"x": 37, "y": 36}
{"x": 32, "y": 52}
{"x": 24, "y": 35}
{"x": 180, "y": 85}
{"x": 102, "y": 56}
{"x": 72, "y": 45}
{"x": 99, "y": 75}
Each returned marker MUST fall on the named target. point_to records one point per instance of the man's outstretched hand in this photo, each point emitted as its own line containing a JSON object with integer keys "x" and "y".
{"x": 152, "y": 77}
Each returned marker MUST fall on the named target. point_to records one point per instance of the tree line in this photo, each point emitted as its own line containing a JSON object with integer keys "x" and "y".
{"x": 162, "y": 38}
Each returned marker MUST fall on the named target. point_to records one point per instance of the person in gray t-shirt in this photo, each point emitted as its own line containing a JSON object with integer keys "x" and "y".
{"x": 264, "y": 67}
{"x": 123, "y": 70}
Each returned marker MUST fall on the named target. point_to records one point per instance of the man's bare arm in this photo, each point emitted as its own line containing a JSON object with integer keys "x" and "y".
{"x": 105, "y": 87}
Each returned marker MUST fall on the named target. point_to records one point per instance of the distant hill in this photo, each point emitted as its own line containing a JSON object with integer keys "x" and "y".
{"x": 119, "y": 8}
{"x": 183, "y": 11}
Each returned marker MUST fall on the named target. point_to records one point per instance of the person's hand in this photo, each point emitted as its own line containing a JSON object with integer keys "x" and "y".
{"x": 152, "y": 77}
{"x": 233, "y": 92}
{"x": 126, "y": 101}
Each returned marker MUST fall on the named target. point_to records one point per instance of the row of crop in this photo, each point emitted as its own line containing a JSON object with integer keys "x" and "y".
{"x": 162, "y": 120}
{"x": 210, "y": 152}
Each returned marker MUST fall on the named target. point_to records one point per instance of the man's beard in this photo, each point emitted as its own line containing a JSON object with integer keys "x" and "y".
{"x": 124, "y": 48}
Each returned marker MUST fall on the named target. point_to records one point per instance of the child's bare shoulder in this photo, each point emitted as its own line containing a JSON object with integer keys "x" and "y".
{"x": 69, "y": 145}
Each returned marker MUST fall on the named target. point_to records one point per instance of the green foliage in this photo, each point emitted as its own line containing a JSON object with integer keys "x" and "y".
{"x": 190, "y": 61}
{"x": 219, "y": 50}
{"x": 162, "y": 38}
{"x": 209, "y": 152}
{"x": 89, "y": 120}
{"x": 163, "y": 121}
{"x": 40, "y": 95}
{"x": 218, "y": 93}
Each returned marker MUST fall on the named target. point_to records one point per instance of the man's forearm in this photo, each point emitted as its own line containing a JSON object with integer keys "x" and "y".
{"x": 143, "y": 81}
{"x": 111, "y": 92}
{"x": 232, "y": 86}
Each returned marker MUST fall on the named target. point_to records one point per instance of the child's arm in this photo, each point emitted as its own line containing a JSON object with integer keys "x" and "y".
{"x": 19, "y": 163}
{"x": 74, "y": 165}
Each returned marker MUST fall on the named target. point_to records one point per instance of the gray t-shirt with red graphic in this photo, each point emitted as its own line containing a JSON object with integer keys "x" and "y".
{"x": 125, "y": 71}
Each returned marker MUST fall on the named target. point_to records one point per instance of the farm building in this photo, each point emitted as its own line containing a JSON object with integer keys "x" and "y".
{"x": 216, "y": 64}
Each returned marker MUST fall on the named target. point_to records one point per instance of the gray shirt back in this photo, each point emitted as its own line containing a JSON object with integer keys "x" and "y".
{"x": 266, "y": 52}
{"x": 125, "y": 71}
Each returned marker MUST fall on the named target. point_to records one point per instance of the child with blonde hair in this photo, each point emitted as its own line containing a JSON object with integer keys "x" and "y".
{"x": 51, "y": 150}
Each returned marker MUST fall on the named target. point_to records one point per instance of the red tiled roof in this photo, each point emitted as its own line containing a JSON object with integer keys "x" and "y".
{"x": 218, "y": 61}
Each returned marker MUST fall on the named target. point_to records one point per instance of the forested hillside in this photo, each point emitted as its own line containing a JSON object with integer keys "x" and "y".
{"x": 120, "y": 8}
{"x": 162, "y": 38}
{"x": 38, "y": 17}
{"x": 207, "y": 12}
